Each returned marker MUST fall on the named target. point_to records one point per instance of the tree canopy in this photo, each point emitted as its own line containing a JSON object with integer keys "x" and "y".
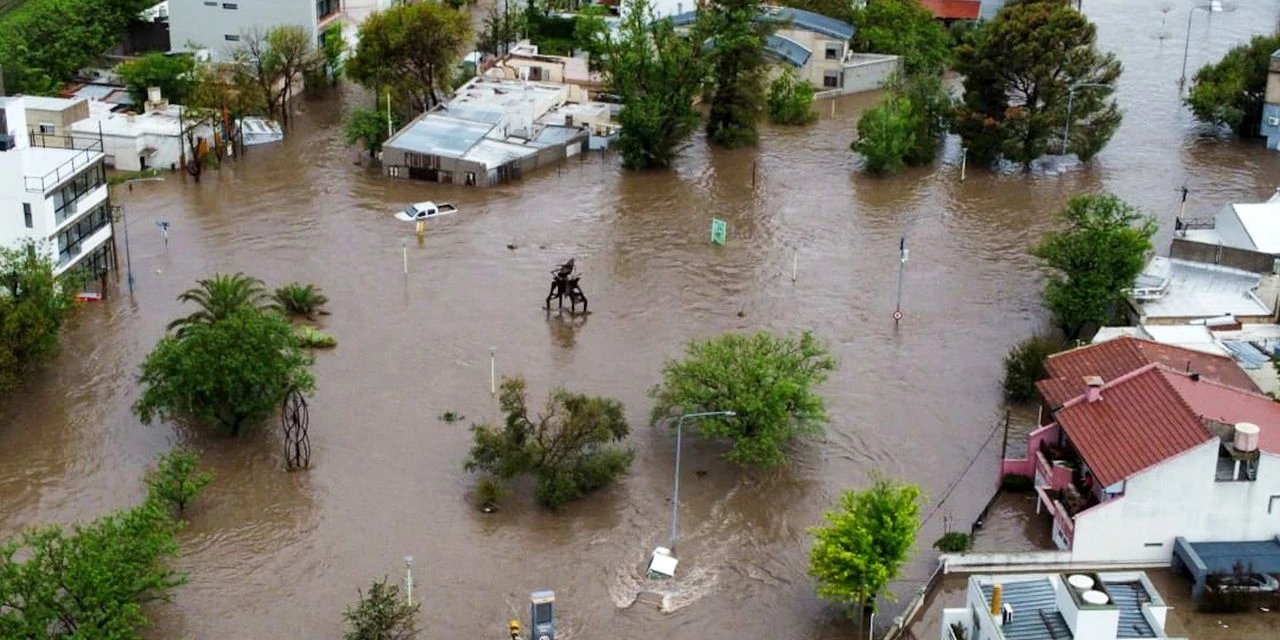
{"x": 864, "y": 543}
{"x": 381, "y": 613}
{"x": 411, "y": 50}
{"x": 368, "y": 127}
{"x": 768, "y": 381}
{"x": 1019, "y": 71}
{"x": 903, "y": 28}
{"x": 737, "y": 66}
{"x": 657, "y": 74}
{"x": 33, "y": 309}
{"x": 886, "y": 135}
{"x": 791, "y": 100}
{"x": 1230, "y": 92}
{"x": 271, "y": 62}
{"x": 1094, "y": 260}
{"x": 174, "y": 76}
{"x": 569, "y": 448}
{"x": 44, "y": 42}
{"x": 218, "y": 296}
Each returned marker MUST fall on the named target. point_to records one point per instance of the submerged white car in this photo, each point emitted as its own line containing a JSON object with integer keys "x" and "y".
{"x": 425, "y": 211}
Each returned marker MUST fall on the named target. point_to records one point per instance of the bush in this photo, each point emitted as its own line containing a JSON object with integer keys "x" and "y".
{"x": 1024, "y": 366}
{"x": 309, "y": 338}
{"x": 953, "y": 542}
{"x": 489, "y": 492}
{"x": 176, "y": 478}
{"x": 297, "y": 299}
{"x": 381, "y": 614}
{"x": 886, "y": 136}
{"x": 1014, "y": 483}
{"x": 790, "y": 100}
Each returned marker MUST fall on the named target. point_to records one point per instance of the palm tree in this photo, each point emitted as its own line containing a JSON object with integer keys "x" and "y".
{"x": 297, "y": 299}
{"x": 218, "y": 296}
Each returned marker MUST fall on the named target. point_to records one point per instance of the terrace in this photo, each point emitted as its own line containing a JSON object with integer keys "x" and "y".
{"x": 52, "y": 160}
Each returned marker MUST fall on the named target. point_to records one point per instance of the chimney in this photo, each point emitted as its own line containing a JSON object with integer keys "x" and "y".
{"x": 997, "y": 591}
{"x": 1094, "y": 393}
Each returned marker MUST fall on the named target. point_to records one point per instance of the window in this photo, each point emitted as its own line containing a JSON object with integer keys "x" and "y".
{"x": 326, "y": 7}
{"x": 69, "y": 239}
{"x": 421, "y": 161}
{"x": 64, "y": 198}
{"x": 209, "y": 3}
{"x": 1236, "y": 466}
{"x": 834, "y": 50}
{"x": 831, "y": 79}
{"x": 26, "y": 215}
{"x": 231, "y": 38}
{"x": 230, "y": 5}
{"x": 47, "y": 127}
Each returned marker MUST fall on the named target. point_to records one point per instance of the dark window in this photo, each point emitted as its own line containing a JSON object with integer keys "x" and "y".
{"x": 833, "y": 51}
{"x": 230, "y": 5}
{"x": 326, "y": 7}
{"x": 210, "y": 4}
{"x": 26, "y": 214}
{"x": 64, "y": 198}
{"x": 831, "y": 79}
{"x": 231, "y": 38}
{"x": 421, "y": 161}
{"x": 69, "y": 239}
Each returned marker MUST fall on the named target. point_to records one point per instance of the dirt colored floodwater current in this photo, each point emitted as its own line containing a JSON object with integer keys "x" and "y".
{"x": 273, "y": 554}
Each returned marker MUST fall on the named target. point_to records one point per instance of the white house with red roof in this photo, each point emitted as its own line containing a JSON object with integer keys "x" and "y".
{"x": 1131, "y": 463}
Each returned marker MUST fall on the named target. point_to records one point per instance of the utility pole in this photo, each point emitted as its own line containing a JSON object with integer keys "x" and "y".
{"x": 902, "y": 263}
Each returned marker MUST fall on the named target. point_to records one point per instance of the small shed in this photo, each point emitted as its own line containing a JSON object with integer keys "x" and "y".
{"x": 1202, "y": 559}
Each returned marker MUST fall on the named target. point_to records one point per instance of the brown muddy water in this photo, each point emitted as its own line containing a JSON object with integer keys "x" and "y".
{"x": 273, "y": 554}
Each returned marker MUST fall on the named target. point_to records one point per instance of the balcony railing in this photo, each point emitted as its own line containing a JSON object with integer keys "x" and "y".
{"x": 86, "y": 150}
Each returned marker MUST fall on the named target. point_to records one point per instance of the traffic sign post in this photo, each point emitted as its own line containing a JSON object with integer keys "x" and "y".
{"x": 719, "y": 229}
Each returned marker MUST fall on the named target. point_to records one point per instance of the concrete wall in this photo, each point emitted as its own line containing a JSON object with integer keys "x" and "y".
{"x": 869, "y": 72}
{"x": 1230, "y": 229}
{"x": 1179, "y": 498}
{"x": 207, "y": 27}
{"x": 818, "y": 64}
{"x": 61, "y": 120}
{"x": 1254, "y": 261}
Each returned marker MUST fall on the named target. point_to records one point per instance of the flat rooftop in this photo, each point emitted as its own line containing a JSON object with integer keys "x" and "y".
{"x": 1033, "y": 598}
{"x": 1198, "y": 290}
{"x": 1262, "y": 222}
{"x": 44, "y": 167}
{"x": 165, "y": 122}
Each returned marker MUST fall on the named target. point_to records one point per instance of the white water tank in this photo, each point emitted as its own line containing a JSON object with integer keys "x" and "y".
{"x": 1080, "y": 581}
{"x": 1246, "y": 437}
{"x": 1093, "y": 596}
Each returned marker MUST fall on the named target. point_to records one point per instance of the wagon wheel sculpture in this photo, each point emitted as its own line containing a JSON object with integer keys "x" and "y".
{"x": 295, "y": 417}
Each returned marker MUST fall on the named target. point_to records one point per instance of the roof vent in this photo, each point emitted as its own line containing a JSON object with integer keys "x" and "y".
{"x": 1094, "y": 383}
{"x": 1246, "y": 437}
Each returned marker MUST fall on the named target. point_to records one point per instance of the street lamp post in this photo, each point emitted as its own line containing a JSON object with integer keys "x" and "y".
{"x": 124, "y": 221}
{"x": 675, "y": 494}
{"x": 1071, "y": 96}
{"x": 1211, "y": 8}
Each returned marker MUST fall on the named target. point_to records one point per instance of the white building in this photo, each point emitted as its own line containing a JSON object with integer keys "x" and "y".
{"x": 1253, "y": 226}
{"x": 219, "y": 26}
{"x": 54, "y": 195}
{"x": 1076, "y": 606}
{"x": 150, "y": 140}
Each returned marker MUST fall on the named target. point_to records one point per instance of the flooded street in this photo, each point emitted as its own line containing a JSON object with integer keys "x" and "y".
{"x": 272, "y": 554}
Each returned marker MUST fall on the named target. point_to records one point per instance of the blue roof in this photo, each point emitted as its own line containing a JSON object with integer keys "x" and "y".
{"x": 1129, "y": 597}
{"x": 437, "y": 134}
{"x": 1035, "y": 607}
{"x": 808, "y": 20}
{"x": 787, "y": 49}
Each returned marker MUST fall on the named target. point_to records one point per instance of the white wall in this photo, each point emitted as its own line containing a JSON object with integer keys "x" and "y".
{"x": 194, "y": 21}
{"x": 1179, "y": 498}
{"x": 1228, "y": 226}
{"x": 13, "y": 192}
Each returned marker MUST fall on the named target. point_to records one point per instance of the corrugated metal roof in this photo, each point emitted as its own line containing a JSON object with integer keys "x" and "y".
{"x": 1129, "y": 596}
{"x": 1035, "y": 611}
{"x": 1114, "y": 358}
{"x": 1139, "y": 422}
{"x": 799, "y": 18}
{"x": 787, "y": 49}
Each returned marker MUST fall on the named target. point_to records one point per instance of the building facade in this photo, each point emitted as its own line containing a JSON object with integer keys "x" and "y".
{"x": 1271, "y": 105}
{"x": 54, "y": 194}
{"x": 219, "y": 26}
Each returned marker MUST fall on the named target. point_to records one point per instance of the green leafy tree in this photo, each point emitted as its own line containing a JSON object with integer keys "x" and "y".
{"x": 841, "y": 10}
{"x": 887, "y": 135}
{"x": 232, "y": 373}
{"x": 1024, "y": 366}
{"x": 381, "y": 614}
{"x": 501, "y": 28}
{"x": 864, "y": 543}
{"x": 33, "y": 309}
{"x": 177, "y": 479}
{"x": 297, "y": 299}
{"x": 589, "y": 29}
{"x": 217, "y": 297}
{"x": 657, "y": 73}
{"x": 931, "y": 107}
{"x": 768, "y": 381}
{"x": 1230, "y": 92}
{"x": 172, "y": 74}
{"x": 1019, "y": 70}
{"x": 1094, "y": 260}
{"x": 90, "y": 580}
{"x": 44, "y": 42}
{"x": 333, "y": 48}
{"x": 737, "y": 66}
{"x": 569, "y": 448}
{"x": 903, "y": 28}
{"x": 791, "y": 100}
{"x": 272, "y": 61}
{"x": 410, "y": 49}
{"x": 369, "y": 127}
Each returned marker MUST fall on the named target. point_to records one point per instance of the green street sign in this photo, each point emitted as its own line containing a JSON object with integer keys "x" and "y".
{"x": 719, "y": 228}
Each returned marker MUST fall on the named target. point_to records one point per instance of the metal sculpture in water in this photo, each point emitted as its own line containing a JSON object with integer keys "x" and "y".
{"x": 297, "y": 443}
{"x": 564, "y": 282}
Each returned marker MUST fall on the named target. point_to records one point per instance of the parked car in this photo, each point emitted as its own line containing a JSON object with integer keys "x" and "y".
{"x": 1248, "y": 583}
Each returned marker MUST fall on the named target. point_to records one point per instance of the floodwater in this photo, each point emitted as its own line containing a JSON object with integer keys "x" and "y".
{"x": 275, "y": 554}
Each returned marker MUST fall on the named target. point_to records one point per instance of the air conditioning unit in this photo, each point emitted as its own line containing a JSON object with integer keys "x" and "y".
{"x": 7, "y": 142}
{"x": 1273, "y": 121}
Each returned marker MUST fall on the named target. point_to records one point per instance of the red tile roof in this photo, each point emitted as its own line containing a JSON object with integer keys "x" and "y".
{"x": 1220, "y": 403}
{"x": 1139, "y": 422}
{"x": 953, "y": 9}
{"x": 1114, "y": 358}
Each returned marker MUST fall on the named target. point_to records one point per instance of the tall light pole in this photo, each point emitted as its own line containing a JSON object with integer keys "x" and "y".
{"x": 662, "y": 561}
{"x": 1211, "y": 8}
{"x": 1071, "y": 96}
{"x": 124, "y": 221}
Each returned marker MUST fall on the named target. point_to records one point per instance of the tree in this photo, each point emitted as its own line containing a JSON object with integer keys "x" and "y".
{"x": 297, "y": 299}
{"x": 500, "y": 29}
{"x": 589, "y": 29}
{"x": 333, "y": 48}
{"x": 271, "y": 62}
{"x": 1019, "y": 70}
{"x": 369, "y": 128}
{"x": 381, "y": 614}
{"x": 44, "y": 42}
{"x": 657, "y": 73}
{"x": 1094, "y": 260}
{"x": 33, "y": 308}
{"x": 931, "y": 106}
{"x": 737, "y": 68}
{"x": 232, "y": 372}
{"x": 768, "y": 381}
{"x": 886, "y": 135}
{"x": 1024, "y": 366}
{"x": 411, "y": 49}
{"x": 791, "y": 100}
{"x": 1230, "y": 92}
{"x": 218, "y": 296}
{"x": 864, "y": 543}
{"x": 172, "y": 74}
{"x": 90, "y": 581}
{"x": 177, "y": 480}
{"x": 841, "y": 10}
{"x": 903, "y": 28}
{"x": 569, "y": 448}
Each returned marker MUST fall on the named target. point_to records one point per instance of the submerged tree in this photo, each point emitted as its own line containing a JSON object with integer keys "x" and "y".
{"x": 864, "y": 543}
{"x": 1094, "y": 260}
{"x": 886, "y": 135}
{"x": 904, "y": 28}
{"x": 33, "y": 308}
{"x": 272, "y": 61}
{"x": 1021, "y": 69}
{"x": 570, "y": 448}
{"x": 768, "y": 381}
{"x": 177, "y": 479}
{"x": 737, "y": 68}
{"x": 657, "y": 73}
{"x": 370, "y": 128}
{"x": 1230, "y": 92}
{"x": 381, "y": 614}
{"x": 791, "y": 100}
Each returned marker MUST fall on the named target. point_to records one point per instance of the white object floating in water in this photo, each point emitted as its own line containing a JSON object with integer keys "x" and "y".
{"x": 260, "y": 131}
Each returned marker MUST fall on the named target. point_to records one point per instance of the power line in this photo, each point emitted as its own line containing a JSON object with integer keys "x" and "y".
{"x": 955, "y": 483}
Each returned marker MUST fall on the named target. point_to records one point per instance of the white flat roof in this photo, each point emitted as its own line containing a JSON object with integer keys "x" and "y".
{"x": 1199, "y": 290}
{"x": 160, "y": 123}
{"x": 38, "y": 162}
{"x": 43, "y": 103}
{"x": 1262, "y": 222}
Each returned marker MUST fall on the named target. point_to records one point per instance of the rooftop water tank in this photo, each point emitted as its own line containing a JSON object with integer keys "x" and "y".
{"x": 1080, "y": 581}
{"x": 1246, "y": 437}
{"x": 1093, "y": 596}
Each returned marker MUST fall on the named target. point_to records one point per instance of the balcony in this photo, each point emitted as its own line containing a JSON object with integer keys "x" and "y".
{"x": 55, "y": 159}
{"x": 1064, "y": 524}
